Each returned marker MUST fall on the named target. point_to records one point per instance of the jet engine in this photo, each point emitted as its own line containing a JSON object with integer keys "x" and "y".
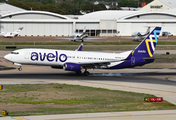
{"x": 72, "y": 67}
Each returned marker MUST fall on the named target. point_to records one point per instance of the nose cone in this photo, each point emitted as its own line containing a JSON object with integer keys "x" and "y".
{"x": 7, "y": 57}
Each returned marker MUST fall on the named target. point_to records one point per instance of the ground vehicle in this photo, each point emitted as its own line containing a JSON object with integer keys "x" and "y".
{"x": 166, "y": 34}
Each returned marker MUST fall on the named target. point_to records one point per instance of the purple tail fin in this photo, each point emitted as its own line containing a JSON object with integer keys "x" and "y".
{"x": 147, "y": 47}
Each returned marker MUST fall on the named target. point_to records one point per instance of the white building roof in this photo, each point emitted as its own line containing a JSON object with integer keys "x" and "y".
{"x": 173, "y": 11}
{"x": 170, "y": 3}
{"x": 107, "y": 14}
{"x": 35, "y": 12}
{"x": 7, "y": 8}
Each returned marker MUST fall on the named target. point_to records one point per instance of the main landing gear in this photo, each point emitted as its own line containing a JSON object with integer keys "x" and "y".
{"x": 135, "y": 40}
{"x": 86, "y": 73}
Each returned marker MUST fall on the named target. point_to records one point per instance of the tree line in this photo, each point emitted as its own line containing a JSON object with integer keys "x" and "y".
{"x": 73, "y": 7}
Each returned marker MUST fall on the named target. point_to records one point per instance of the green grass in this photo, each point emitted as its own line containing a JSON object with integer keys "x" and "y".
{"x": 64, "y": 99}
{"x": 30, "y": 100}
{"x": 88, "y": 46}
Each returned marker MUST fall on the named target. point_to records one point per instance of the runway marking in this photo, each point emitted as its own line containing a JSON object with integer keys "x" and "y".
{"x": 20, "y": 118}
{"x": 125, "y": 114}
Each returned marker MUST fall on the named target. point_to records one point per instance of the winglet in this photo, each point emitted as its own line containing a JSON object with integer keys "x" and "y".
{"x": 80, "y": 47}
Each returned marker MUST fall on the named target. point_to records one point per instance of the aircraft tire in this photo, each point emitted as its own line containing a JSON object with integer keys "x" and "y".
{"x": 20, "y": 69}
{"x": 86, "y": 73}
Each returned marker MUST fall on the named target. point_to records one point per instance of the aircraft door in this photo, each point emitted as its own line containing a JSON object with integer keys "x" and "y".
{"x": 132, "y": 60}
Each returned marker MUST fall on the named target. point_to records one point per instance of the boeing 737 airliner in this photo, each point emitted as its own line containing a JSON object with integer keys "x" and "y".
{"x": 81, "y": 60}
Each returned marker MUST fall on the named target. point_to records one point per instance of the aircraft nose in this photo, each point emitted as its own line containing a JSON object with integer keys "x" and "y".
{"x": 7, "y": 57}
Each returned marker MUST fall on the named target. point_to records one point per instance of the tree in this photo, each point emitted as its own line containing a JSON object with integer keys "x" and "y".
{"x": 89, "y": 7}
{"x": 103, "y": 7}
{"x": 33, "y": 6}
{"x": 19, "y": 4}
{"x": 68, "y": 8}
{"x": 128, "y": 3}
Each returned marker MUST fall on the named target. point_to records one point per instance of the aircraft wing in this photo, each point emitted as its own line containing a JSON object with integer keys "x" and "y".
{"x": 82, "y": 35}
{"x": 2, "y": 33}
{"x": 97, "y": 64}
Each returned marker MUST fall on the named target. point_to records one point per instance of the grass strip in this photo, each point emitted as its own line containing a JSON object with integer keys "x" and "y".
{"x": 42, "y": 99}
{"x": 86, "y": 43}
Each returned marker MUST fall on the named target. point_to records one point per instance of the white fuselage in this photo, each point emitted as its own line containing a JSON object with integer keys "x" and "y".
{"x": 11, "y": 34}
{"x": 139, "y": 35}
{"x": 50, "y": 57}
{"x": 78, "y": 36}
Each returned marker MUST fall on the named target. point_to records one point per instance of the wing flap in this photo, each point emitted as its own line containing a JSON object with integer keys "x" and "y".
{"x": 97, "y": 64}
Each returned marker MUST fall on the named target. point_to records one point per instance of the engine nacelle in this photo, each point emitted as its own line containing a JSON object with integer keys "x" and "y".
{"x": 72, "y": 67}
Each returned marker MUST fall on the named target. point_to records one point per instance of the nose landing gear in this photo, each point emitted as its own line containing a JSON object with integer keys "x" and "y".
{"x": 17, "y": 64}
{"x": 20, "y": 69}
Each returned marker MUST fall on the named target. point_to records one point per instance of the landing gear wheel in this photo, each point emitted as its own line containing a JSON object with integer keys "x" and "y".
{"x": 86, "y": 73}
{"x": 74, "y": 40}
{"x": 82, "y": 40}
{"x": 20, "y": 69}
{"x": 78, "y": 72}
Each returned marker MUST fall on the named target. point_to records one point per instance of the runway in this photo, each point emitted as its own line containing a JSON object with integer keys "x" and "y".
{"x": 152, "y": 81}
{"x": 135, "y": 115}
{"x": 159, "y": 82}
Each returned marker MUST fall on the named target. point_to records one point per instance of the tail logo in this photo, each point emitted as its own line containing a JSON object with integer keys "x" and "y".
{"x": 150, "y": 51}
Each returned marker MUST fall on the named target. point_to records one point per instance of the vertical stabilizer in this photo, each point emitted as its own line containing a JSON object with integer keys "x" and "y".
{"x": 148, "y": 31}
{"x": 147, "y": 47}
{"x": 19, "y": 30}
{"x": 84, "y": 31}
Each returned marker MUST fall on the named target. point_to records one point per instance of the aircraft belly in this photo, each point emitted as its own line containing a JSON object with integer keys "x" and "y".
{"x": 114, "y": 64}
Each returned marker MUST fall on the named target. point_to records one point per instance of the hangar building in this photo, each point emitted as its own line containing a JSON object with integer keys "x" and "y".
{"x": 101, "y": 23}
{"x": 159, "y": 5}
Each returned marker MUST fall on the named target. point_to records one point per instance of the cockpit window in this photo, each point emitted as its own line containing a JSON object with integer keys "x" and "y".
{"x": 15, "y": 53}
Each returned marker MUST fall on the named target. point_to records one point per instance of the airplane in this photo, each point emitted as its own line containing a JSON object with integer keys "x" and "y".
{"x": 77, "y": 36}
{"x": 83, "y": 60}
{"x": 140, "y": 35}
{"x": 11, "y": 34}
{"x": 136, "y": 36}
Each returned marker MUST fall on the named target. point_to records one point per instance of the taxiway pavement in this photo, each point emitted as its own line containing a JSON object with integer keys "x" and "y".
{"x": 134, "y": 115}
